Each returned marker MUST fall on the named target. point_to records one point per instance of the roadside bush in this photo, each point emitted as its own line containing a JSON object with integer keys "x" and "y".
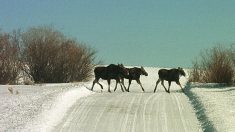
{"x": 215, "y": 65}
{"x": 52, "y": 58}
{"x": 9, "y": 58}
{"x": 74, "y": 62}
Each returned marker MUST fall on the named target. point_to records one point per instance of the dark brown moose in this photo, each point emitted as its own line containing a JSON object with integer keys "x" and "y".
{"x": 134, "y": 74}
{"x": 169, "y": 75}
{"x": 112, "y": 71}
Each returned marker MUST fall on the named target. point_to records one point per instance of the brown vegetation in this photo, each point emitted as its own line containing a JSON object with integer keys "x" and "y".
{"x": 46, "y": 55}
{"x": 52, "y": 58}
{"x": 9, "y": 58}
{"x": 215, "y": 65}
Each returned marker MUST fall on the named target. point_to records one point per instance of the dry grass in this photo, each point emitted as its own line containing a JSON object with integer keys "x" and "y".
{"x": 215, "y": 66}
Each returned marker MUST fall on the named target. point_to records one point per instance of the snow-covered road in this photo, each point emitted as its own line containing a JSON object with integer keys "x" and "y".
{"x": 72, "y": 107}
{"x": 134, "y": 111}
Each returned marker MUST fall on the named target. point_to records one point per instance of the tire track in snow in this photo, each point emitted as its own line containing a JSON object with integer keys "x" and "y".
{"x": 159, "y": 115}
{"x": 125, "y": 122}
{"x": 73, "y": 112}
{"x": 165, "y": 116}
{"x": 82, "y": 110}
{"x": 102, "y": 113}
{"x": 86, "y": 111}
{"x": 155, "y": 111}
{"x": 135, "y": 116}
{"x": 132, "y": 112}
{"x": 144, "y": 111}
{"x": 179, "y": 106}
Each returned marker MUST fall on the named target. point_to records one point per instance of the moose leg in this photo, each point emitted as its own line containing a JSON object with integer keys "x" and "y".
{"x": 118, "y": 81}
{"x": 162, "y": 82}
{"x": 121, "y": 86}
{"x": 93, "y": 84}
{"x": 96, "y": 81}
{"x": 122, "y": 82}
{"x": 115, "y": 86}
{"x": 177, "y": 82}
{"x": 169, "y": 82}
{"x": 156, "y": 85}
{"x": 109, "y": 85}
{"x": 138, "y": 81}
{"x": 128, "y": 89}
{"x": 100, "y": 85}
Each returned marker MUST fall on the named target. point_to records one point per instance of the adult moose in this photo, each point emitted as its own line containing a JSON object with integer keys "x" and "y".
{"x": 112, "y": 71}
{"x": 134, "y": 74}
{"x": 169, "y": 75}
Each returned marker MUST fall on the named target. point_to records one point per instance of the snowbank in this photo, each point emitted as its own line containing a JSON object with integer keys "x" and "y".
{"x": 218, "y": 104}
{"x": 37, "y": 108}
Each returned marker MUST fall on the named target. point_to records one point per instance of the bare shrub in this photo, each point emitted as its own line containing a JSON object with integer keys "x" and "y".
{"x": 53, "y": 58}
{"x": 40, "y": 49}
{"x": 9, "y": 58}
{"x": 216, "y": 65}
{"x": 74, "y": 62}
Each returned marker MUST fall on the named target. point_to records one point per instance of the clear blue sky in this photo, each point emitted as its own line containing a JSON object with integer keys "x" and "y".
{"x": 164, "y": 33}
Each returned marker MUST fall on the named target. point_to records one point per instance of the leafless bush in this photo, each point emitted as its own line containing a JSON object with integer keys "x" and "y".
{"x": 74, "y": 62}
{"x": 9, "y": 58}
{"x": 53, "y": 58}
{"x": 216, "y": 65}
{"x": 40, "y": 49}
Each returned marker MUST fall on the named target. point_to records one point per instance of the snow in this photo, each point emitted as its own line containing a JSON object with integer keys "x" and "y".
{"x": 37, "y": 108}
{"x": 219, "y": 104}
{"x": 43, "y": 107}
{"x": 134, "y": 111}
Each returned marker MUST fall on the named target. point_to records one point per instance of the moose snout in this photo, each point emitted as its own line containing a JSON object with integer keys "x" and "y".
{"x": 146, "y": 74}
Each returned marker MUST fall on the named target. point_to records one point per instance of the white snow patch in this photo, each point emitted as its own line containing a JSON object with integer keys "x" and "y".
{"x": 219, "y": 104}
{"x": 47, "y": 120}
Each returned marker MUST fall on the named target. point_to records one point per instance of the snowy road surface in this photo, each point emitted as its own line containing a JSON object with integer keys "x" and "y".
{"x": 134, "y": 111}
{"x": 72, "y": 107}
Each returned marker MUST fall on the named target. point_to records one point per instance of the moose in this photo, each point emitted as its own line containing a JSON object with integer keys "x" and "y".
{"x": 169, "y": 75}
{"x": 112, "y": 71}
{"x": 134, "y": 74}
